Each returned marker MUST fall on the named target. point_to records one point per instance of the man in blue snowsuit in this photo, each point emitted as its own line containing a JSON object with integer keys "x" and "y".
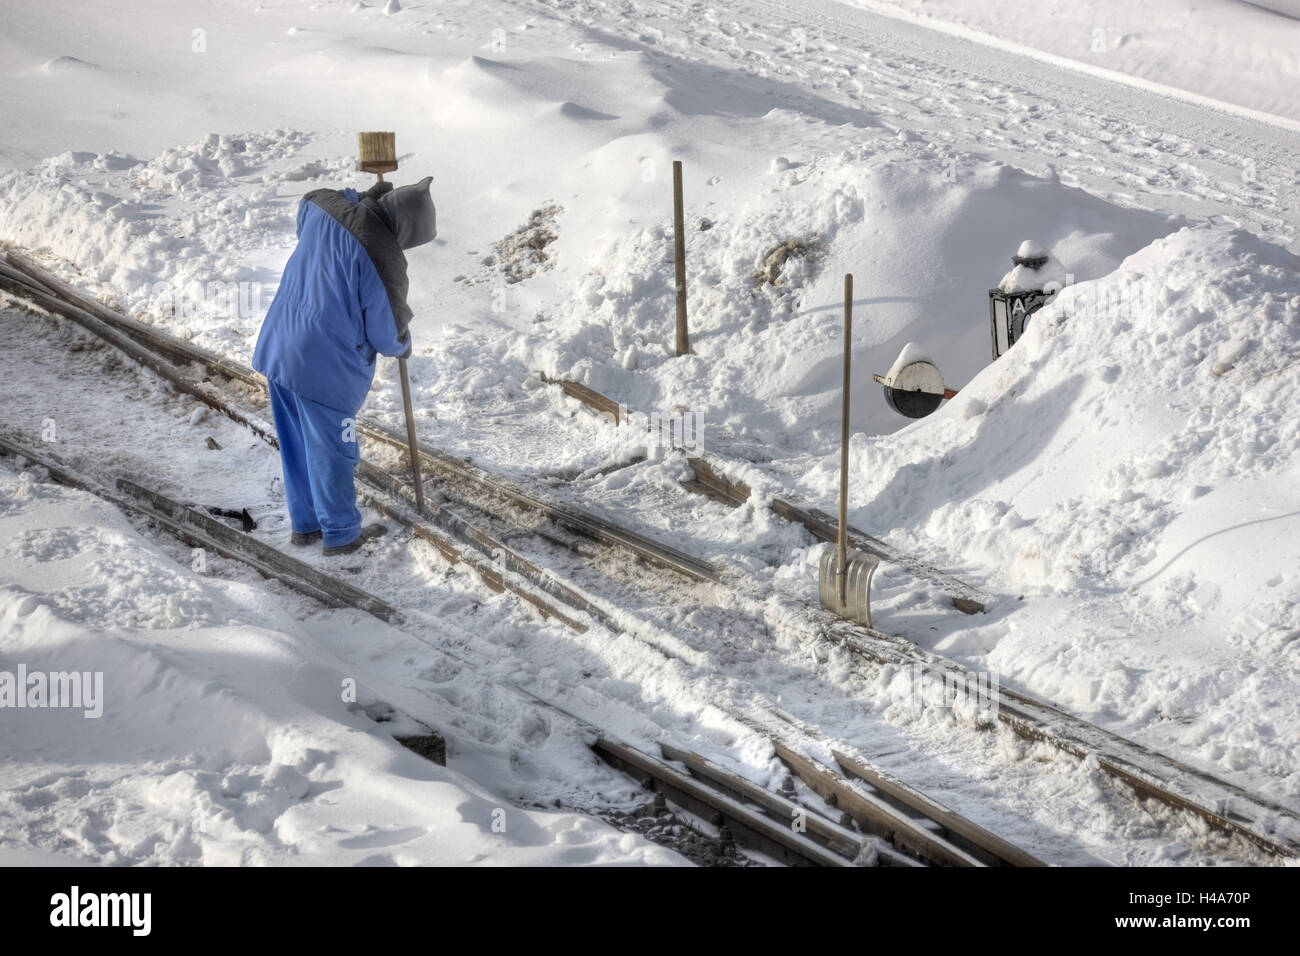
{"x": 341, "y": 301}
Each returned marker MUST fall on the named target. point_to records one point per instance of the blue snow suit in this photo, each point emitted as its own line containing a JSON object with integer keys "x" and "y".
{"x": 341, "y": 301}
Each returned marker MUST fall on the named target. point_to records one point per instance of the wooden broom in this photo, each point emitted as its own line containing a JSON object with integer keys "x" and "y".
{"x": 379, "y": 156}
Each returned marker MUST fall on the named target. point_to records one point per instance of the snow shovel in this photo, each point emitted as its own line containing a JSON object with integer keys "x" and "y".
{"x": 379, "y": 156}
{"x": 844, "y": 583}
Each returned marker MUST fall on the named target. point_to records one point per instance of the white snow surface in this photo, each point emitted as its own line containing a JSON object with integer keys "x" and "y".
{"x": 1131, "y": 469}
{"x": 1243, "y": 52}
{"x": 910, "y": 354}
{"x": 1125, "y": 478}
{"x": 1051, "y": 276}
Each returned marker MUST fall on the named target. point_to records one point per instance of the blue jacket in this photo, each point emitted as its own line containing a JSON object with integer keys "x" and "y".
{"x": 341, "y": 300}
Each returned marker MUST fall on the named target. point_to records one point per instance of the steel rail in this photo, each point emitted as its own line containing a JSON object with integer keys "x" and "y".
{"x": 1147, "y": 772}
{"x": 833, "y": 835}
{"x": 201, "y": 529}
{"x": 1268, "y": 825}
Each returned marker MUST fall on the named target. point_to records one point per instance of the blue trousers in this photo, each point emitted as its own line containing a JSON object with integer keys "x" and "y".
{"x": 318, "y": 451}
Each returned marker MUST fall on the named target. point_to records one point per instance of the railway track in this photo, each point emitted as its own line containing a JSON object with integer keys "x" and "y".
{"x": 570, "y": 532}
{"x": 778, "y": 825}
{"x": 1149, "y": 774}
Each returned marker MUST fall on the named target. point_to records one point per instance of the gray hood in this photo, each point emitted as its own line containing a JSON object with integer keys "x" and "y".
{"x": 410, "y": 213}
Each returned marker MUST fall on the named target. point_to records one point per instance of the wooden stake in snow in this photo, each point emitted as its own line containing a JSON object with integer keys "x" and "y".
{"x": 679, "y": 254}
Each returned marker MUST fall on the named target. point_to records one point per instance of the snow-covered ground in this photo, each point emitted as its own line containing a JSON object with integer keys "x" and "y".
{"x": 1240, "y": 52}
{"x": 226, "y": 734}
{"x": 1130, "y": 469}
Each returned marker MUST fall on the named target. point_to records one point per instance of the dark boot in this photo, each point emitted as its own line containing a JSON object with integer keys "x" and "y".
{"x": 302, "y": 540}
{"x": 368, "y": 533}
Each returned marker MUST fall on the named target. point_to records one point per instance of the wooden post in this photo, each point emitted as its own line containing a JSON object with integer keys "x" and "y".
{"x": 840, "y": 569}
{"x": 679, "y": 251}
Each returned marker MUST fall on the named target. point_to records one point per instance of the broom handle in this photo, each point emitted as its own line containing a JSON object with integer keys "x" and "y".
{"x": 844, "y": 437}
{"x": 410, "y": 438}
{"x": 411, "y": 442}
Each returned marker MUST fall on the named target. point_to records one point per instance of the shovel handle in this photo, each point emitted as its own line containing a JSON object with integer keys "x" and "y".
{"x": 843, "y": 536}
{"x": 410, "y": 437}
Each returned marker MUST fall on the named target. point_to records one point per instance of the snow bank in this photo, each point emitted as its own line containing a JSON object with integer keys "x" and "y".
{"x": 1130, "y": 398}
{"x": 194, "y": 239}
{"x": 1133, "y": 465}
{"x": 924, "y": 251}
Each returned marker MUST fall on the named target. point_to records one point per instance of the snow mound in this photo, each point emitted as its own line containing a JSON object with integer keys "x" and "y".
{"x": 923, "y": 250}
{"x": 70, "y": 66}
{"x": 911, "y": 353}
{"x": 1129, "y": 399}
{"x": 1131, "y": 468}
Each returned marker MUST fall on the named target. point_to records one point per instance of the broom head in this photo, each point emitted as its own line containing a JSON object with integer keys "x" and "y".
{"x": 378, "y": 152}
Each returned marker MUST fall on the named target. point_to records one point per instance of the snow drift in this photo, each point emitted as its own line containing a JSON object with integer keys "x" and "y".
{"x": 1133, "y": 465}
{"x": 924, "y": 251}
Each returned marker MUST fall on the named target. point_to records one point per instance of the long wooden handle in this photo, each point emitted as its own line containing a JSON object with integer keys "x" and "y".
{"x": 844, "y": 436}
{"x": 679, "y": 259}
{"x": 410, "y": 437}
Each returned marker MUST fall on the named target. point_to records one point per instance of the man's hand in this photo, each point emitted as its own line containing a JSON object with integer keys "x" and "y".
{"x": 409, "y": 344}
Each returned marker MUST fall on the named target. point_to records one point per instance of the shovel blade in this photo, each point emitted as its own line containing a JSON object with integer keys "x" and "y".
{"x": 859, "y": 568}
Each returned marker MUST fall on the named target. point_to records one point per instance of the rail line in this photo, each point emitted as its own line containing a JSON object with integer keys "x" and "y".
{"x": 1224, "y": 806}
{"x": 1149, "y": 774}
{"x": 777, "y": 825}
